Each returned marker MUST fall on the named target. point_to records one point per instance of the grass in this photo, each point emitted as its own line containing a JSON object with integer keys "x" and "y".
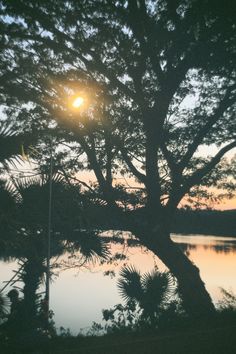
{"x": 206, "y": 338}
{"x": 221, "y": 340}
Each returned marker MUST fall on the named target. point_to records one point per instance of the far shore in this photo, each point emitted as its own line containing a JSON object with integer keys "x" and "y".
{"x": 186, "y": 222}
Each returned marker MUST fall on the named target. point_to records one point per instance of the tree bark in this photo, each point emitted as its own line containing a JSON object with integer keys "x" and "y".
{"x": 196, "y": 300}
{"x": 32, "y": 272}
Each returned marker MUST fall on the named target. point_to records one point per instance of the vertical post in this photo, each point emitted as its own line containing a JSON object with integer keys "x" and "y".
{"x": 49, "y": 235}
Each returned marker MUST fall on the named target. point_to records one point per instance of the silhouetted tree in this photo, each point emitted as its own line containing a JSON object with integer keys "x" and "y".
{"x": 139, "y": 64}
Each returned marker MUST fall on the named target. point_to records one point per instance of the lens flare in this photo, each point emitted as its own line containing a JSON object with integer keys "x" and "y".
{"x": 78, "y": 102}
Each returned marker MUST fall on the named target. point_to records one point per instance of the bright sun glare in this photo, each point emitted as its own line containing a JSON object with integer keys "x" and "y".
{"x": 78, "y": 102}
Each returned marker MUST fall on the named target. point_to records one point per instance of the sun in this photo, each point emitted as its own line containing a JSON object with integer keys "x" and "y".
{"x": 78, "y": 102}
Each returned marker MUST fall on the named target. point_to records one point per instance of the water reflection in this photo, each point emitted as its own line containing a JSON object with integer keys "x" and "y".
{"x": 196, "y": 242}
{"x": 73, "y": 290}
{"x": 227, "y": 248}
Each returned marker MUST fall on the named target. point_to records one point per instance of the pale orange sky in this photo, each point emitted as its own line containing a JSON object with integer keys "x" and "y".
{"x": 205, "y": 151}
{"x": 87, "y": 177}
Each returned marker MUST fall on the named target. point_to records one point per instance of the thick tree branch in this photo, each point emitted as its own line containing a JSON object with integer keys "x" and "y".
{"x": 197, "y": 176}
{"x": 142, "y": 26}
{"x": 152, "y": 172}
{"x": 182, "y": 188}
{"x": 170, "y": 84}
{"x": 140, "y": 176}
{"x": 108, "y": 149}
{"x": 63, "y": 173}
{"x": 170, "y": 159}
{"x": 224, "y": 104}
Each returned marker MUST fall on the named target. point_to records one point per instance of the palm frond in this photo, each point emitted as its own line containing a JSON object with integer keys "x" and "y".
{"x": 91, "y": 246}
{"x": 158, "y": 287}
{"x": 4, "y": 303}
{"x": 39, "y": 180}
{"x": 129, "y": 285}
{"x": 7, "y": 215}
{"x": 33, "y": 195}
{"x": 11, "y": 144}
{"x": 8, "y": 196}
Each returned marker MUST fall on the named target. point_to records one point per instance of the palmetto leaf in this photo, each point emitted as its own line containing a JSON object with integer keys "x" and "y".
{"x": 158, "y": 287}
{"x": 3, "y": 306}
{"x": 129, "y": 285}
{"x": 150, "y": 291}
{"x": 41, "y": 181}
{"x": 91, "y": 246}
{"x": 7, "y": 214}
{"x": 32, "y": 197}
{"x": 8, "y": 197}
{"x": 11, "y": 144}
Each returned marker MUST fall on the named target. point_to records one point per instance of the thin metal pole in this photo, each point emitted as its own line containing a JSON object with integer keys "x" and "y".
{"x": 49, "y": 235}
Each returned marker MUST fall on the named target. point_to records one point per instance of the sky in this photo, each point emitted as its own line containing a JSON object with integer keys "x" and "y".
{"x": 89, "y": 176}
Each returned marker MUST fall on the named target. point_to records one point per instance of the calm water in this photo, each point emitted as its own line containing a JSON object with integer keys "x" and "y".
{"x": 79, "y": 295}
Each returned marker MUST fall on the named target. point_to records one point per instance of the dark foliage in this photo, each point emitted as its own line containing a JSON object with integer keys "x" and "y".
{"x": 138, "y": 64}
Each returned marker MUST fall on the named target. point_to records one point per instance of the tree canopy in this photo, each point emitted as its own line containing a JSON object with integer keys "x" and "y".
{"x": 158, "y": 82}
{"x": 158, "y": 78}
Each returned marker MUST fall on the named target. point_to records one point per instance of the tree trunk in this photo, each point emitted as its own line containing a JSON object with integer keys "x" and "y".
{"x": 194, "y": 295}
{"x": 32, "y": 272}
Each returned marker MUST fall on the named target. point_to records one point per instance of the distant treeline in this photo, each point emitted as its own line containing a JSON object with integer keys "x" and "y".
{"x": 211, "y": 222}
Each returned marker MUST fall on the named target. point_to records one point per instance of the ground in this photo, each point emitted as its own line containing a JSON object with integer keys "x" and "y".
{"x": 218, "y": 340}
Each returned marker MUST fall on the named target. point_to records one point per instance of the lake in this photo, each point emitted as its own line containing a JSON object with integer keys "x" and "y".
{"x": 77, "y": 296}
